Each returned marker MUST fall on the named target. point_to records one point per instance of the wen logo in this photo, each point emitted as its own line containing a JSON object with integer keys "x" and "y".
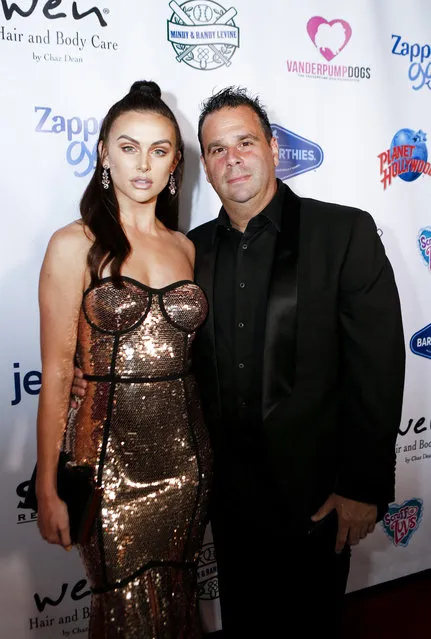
{"x": 401, "y": 522}
{"x": 296, "y": 154}
{"x": 48, "y": 11}
{"x": 329, "y": 38}
{"x": 420, "y": 343}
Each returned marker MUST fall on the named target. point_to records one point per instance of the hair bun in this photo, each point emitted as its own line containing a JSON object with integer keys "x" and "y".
{"x": 148, "y": 87}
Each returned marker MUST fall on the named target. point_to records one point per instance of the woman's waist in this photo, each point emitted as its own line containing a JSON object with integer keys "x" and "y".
{"x": 137, "y": 377}
{"x": 146, "y": 372}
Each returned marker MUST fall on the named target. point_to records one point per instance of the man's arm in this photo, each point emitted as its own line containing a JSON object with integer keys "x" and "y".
{"x": 373, "y": 364}
{"x": 372, "y": 378}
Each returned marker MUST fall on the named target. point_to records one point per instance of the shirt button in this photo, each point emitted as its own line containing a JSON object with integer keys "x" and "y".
{"x": 242, "y": 284}
{"x": 240, "y": 365}
{"x": 240, "y": 324}
{"x": 244, "y": 246}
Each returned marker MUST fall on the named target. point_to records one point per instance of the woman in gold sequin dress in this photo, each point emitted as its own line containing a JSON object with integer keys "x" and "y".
{"x": 117, "y": 298}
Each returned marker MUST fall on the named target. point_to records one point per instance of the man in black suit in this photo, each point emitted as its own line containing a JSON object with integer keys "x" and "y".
{"x": 301, "y": 369}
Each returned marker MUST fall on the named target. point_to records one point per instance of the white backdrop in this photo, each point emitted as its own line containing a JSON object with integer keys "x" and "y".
{"x": 347, "y": 87}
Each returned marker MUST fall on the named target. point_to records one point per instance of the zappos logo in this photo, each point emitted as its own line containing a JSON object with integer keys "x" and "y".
{"x": 207, "y": 573}
{"x": 418, "y": 56}
{"x": 406, "y": 158}
{"x": 81, "y": 151}
{"x": 401, "y": 522}
{"x": 424, "y": 242}
{"x": 296, "y": 154}
{"x": 420, "y": 343}
{"x": 203, "y": 34}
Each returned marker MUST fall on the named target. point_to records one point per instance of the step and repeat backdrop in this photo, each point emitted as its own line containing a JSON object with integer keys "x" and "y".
{"x": 347, "y": 88}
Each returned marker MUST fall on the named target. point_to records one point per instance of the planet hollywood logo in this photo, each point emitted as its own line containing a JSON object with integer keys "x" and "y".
{"x": 424, "y": 243}
{"x": 81, "y": 135}
{"x": 406, "y": 158}
{"x": 207, "y": 573}
{"x": 296, "y": 154}
{"x": 401, "y": 522}
{"x": 420, "y": 343}
{"x": 418, "y": 57}
{"x": 329, "y": 38}
{"x": 203, "y": 34}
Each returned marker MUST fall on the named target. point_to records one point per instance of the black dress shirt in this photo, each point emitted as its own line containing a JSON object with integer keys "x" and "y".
{"x": 242, "y": 276}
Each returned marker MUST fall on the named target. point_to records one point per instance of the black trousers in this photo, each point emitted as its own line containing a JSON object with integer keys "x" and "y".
{"x": 277, "y": 584}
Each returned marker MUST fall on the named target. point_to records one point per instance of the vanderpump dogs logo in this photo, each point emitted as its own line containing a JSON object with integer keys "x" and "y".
{"x": 401, "y": 522}
{"x": 424, "y": 243}
{"x": 81, "y": 135}
{"x": 53, "y": 10}
{"x": 330, "y": 38}
{"x": 420, "y": 343}
{"x": 418, "y": 58}
{"x": 203, "y": 34}
{"x": 406, "y": 158}
{"x": 296, "y": 154}
{"x": 207, "y": 573}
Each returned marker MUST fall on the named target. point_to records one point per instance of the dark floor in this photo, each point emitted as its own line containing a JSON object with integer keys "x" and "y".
{"x": 398, "y": 609}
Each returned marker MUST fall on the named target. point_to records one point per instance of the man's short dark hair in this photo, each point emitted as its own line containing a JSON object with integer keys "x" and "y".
{"x": 233, "y": 97}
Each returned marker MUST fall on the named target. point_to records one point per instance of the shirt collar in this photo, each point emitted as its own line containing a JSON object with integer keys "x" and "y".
{"x": 273, "y": 211}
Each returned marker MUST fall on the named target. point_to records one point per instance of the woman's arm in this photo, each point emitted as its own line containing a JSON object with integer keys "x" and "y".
{"x": 60, "y": 294}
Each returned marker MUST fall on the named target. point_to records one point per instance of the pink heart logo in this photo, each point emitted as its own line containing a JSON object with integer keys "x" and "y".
{"x": 329, "y": 37}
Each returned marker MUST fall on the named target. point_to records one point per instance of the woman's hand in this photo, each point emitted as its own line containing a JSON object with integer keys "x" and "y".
{"x": 53, "y": 521}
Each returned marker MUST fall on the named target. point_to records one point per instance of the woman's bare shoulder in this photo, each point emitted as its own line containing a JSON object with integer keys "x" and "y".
{"x": 73, "y": 236}
{"x": 186, "y": 244}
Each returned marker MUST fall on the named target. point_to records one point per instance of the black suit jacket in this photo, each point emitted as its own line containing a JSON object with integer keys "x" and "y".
{"x": 334, "y": 356}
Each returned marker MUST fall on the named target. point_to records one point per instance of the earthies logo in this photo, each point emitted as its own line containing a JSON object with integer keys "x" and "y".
{"x": 203, "y": 34}
{"x": 296, "y": 154}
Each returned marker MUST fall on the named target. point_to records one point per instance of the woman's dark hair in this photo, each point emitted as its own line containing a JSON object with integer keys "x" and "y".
{"x": 99, "y": 207}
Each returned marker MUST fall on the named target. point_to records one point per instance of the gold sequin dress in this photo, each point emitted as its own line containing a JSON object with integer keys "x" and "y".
{"x": 140, "y": 426}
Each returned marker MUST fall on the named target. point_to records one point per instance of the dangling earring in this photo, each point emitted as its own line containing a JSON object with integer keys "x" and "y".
{"x": 172, "y": 185}
{"x": 105, "y": 178}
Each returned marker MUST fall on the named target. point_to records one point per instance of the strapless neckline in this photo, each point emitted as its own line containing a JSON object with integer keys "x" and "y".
{"x": 169, "y": 287}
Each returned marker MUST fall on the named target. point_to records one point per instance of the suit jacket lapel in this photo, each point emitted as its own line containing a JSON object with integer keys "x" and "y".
{"x": 279, "y": 357}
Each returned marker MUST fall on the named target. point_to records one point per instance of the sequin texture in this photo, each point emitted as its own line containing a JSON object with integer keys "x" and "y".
{"x": 140, "y": 426}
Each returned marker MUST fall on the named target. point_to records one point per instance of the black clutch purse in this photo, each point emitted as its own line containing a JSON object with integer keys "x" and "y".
{"x": 76, "y": 487}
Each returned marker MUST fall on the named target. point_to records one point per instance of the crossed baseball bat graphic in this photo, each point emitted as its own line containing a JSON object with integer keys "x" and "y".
{"x": 226, "y": 16}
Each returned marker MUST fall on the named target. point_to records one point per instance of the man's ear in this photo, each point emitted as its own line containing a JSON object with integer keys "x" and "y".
{"x": 205, "y": 168}
{"x": 275, "y": 151}
{"x": 103, "y": 154}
